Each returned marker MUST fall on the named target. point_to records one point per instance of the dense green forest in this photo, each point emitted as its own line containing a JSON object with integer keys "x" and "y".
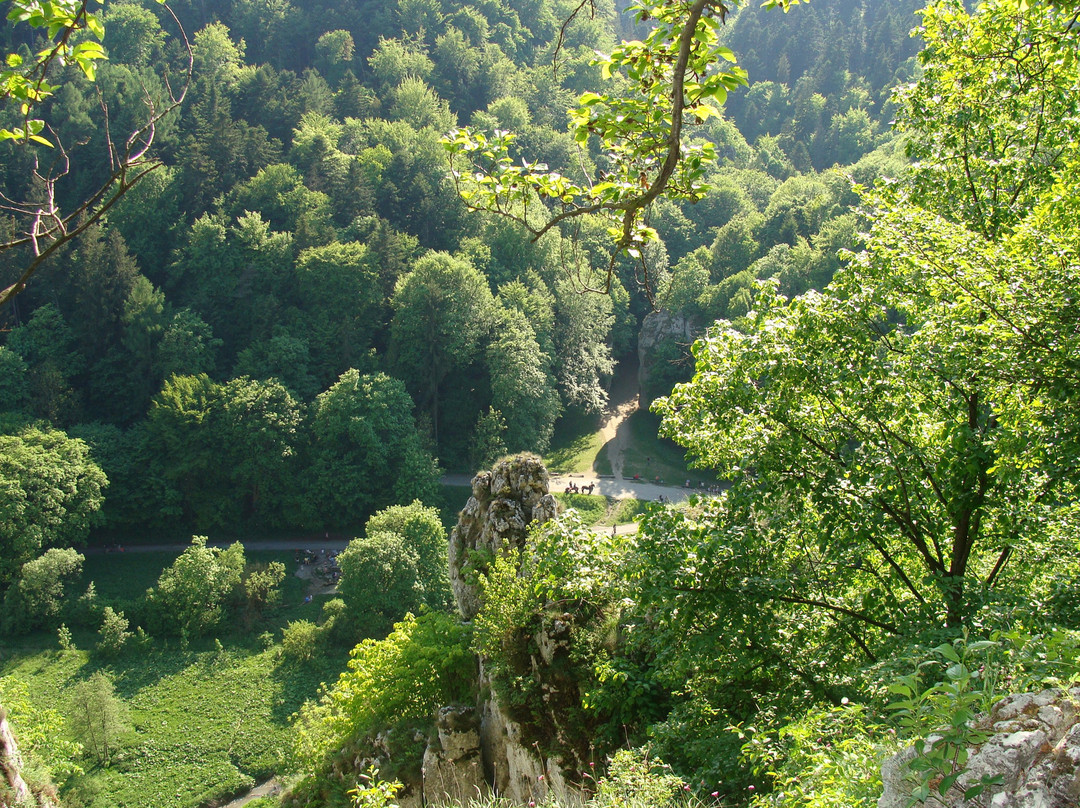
{"x": 304, "y": 225}
{"x": 345, "y": 277}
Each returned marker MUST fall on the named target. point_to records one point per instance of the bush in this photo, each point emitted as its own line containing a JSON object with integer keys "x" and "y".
{"x": 37, "y": 598}
{"x": 87, "y": 610}
{"x": 336, "y": 625}
{"x": 379, "y": 581}
{"x": 826, "y": 757}
{"x": 635, "y": 778}
{"x": 113, "y": 632}
{"x": 424, "y": 663}
{"x": 300, "y": 639}
{"x": 63, "y": 634}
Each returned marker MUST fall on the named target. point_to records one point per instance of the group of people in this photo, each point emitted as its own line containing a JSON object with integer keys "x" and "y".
{"x": 325, "y": 561}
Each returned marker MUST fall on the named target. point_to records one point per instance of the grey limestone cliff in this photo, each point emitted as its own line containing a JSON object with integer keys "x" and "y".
{"x": 1033, "y": 747}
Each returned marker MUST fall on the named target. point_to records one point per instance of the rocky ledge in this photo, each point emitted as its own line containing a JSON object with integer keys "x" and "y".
{"x": 1033, "y": 745}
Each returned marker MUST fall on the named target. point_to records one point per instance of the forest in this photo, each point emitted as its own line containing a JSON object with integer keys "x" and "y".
{"x": 272, "y": 269}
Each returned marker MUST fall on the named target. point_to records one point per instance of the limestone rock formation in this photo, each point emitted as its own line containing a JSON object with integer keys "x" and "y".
{"x": 12, "y": 785}
{"x": 1034, "y": 746}
{"x": 512, "y": 763}
{"x": 11, "y": 762}
{"x": 479, "y": 748}
{"x": 658, "y": 327}
{"x": 504, "y": 502}
{"x": 452, "y": 769}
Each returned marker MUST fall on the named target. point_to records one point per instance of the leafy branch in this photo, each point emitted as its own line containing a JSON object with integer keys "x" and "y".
{"x": 47, "y": 226}
{"x": 680, "y": 69}
{"x": 25, "y": 82}
{"x": 947, "y": 710}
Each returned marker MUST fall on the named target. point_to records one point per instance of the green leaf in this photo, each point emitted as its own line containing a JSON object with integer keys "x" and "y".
{"x": 947, "y": 783}
{"x": 946, "y": 650}
{"x": 95, "y": 26}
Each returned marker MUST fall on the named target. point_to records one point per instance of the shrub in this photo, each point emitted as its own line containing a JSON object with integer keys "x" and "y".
{"x": 423, "y": 664}
{"x": 336, "y": 623}
{"x": 635, "y": 778}
{"x": 373, "y": 792}
{"x": 826, "y": 757}
{"x": 191, "y": 593}
{"x": 113, "y": 632}
{"x": 63, "y": 634}
{"x": 261, "y": 587}
{"x": 37, "y": 598}
{"x": 300, "y": 639}
{"x": 379, "y": 580}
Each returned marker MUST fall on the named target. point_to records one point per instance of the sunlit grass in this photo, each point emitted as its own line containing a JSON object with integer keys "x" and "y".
{"x": 204, "y": 724}
{"x": 576, "y": 444}
{"x": 650, "y": 456}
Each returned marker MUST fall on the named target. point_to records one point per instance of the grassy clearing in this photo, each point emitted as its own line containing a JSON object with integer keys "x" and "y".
{"x": 205, "y": 724}
{"x": 591, "y": 507}
{"x": 598, "y": 510}
{"x": 578, "y": 448}
{"x": 577, "y": 445}
{"x": 650, "y": 456}
{"x": 623, "y": 511}
{"x": 207, "y": 720}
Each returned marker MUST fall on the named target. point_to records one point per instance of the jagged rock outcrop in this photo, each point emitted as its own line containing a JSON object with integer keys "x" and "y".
{"x": 476, "y": 749}
{"x": 1034, "y": 745}
{"x": 504, "y": 502}
{"x": 11, "y": 765}
{"x": 514, "y": 766}
{"x": 453, "y": 769}
{"x": 658, "y": 327}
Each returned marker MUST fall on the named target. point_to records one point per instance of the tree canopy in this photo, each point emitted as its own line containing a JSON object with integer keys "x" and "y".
{"x": 51, "y": 493}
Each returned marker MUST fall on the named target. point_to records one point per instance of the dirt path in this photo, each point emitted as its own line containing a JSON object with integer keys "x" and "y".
{"x": 316, "y": 584}
{"x": 269, "y": 788}
{"x": 624, "y": 402}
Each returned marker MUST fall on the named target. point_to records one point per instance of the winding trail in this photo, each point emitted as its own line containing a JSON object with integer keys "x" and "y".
{"x": 625, "y": 401}
{"x": 270, "y": 788}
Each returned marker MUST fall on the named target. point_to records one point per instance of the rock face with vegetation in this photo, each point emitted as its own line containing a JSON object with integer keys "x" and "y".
{"x": 1033, "y": 747}
{"x": 496, "y": 519}
{"x": 10, "y": 763}
{"x": 504, "y": 502}
{"x": 13, "y": 788}
{"x": 659, "y": 329}
{"x": 451, "y": 768}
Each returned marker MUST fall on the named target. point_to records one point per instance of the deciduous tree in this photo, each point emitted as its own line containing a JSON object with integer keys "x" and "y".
{"x": 50, "y": 495}
{"x": 97, "y": 717}
{"x": 423, "y": 533}
{"x": 37, "y": 598}
{"x": 191, "y": 594}
{"x": 442, "y": 311}
{"x": 73, "y": 34}
{"x": 365, "y": 451}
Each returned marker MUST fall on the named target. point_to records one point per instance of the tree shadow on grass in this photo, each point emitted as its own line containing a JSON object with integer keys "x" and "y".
{"x": 300, "y": 681}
